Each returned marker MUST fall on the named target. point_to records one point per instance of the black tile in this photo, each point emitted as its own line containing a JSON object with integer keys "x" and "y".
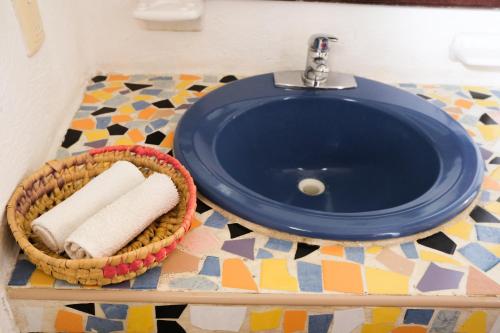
{"x": 487, "y": 120}
{"x": 136, "y": 86}
{"x": 303, "y": 249}
{"x": 71, "y": 137}
{"x": 103, "y": 110}
{"x": 171, "y": 152}
{"x": 83, "y": 307}
{"x": 423, "y": 96}
{"x": 99, "y": 78}
{"x": 155, "y": 138}
{"x": 478, "y": 95}
{"x": 228, "y": 78}
{"x": 201, "y": 207}
{"x": 168, "y": 326}
{"x": 196, "y": 87}
{"x": 169, "y": 311}
{"x": 236, "y": 230}
{"x": 164, "y": 104}
{"x": 481, "y": 215}
{"x": 117, "y": 129}
{"x": 440, "y": 242}
{"x": 495, "y": 160}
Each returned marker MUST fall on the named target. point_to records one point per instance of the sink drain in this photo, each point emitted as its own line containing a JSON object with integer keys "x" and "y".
{"x": 311, "y": 186}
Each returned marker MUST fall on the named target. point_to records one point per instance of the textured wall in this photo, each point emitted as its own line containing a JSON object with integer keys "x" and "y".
{"x": 393, "y": 44}
{"x": 38, "y": 96}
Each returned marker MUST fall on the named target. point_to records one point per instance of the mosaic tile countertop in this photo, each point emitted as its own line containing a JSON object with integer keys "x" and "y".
{"x": 221, "y": 255}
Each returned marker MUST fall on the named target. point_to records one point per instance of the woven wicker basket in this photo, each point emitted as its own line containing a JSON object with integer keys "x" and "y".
{"x": 57, "y": 180}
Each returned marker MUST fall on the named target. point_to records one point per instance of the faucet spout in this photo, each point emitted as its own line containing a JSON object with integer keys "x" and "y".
{"x": 317, "y": 69}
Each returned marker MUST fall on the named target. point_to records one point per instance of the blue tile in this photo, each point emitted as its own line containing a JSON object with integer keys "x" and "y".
{"x": 310, "y": 277}
{"x": 22, "y": 273}
{"x": 150, "y": 91}
{"x": 461, "y": 94}
{"x": 161, "y": 78}
{"x": 87, "y": 108}
{"x": 148, "y": 280}
{"x": 496, "y": 93}
{"x": 115, "y": 311}
{"x": 102, "y": 122}
{"x": 148, "y": 130}
{"x": 320, "y": 323}
{"x": 438, "y": 103}
{"x": 158, "y": 123}
{"x": 96, "y": 86}
{"x": 279, "y": 245}
{"x": 122, "y": 285}
{"x": 479, "y": 256}
{"x": 407, "y": 85}
{"x": 263, "y": 254}
{"x": 211, "y": 266}
{"x": 409, "y": 250}
{"x": 485, "y": 196}
{"x": 488, "y": 234}
{"x": 356, "y": 254}
{"x": 216, "y": 220}
{"x": 140, "y": 105}
{"x": 418, "y": 316}
{"x": 101, "y": 325}
{"x": 116, "y": 101}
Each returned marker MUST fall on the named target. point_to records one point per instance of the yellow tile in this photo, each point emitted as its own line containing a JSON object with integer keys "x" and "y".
{"x": 435, "y": 257}
{"x": 182, "y": 85}
{"x": 140, "y": 319}
{"x": 117, "y": 77}
{"x": 495, "y": 248}
{"x": 476, "y": 323}
{"x": 124, "y": 140}
{"x": 274, "y": 275}
{"x": 489, "y": 132}
{"x": 266, "y": 320}
{"x": 493, "y": 207}
{"x": 126, "y": 109}
{"x": 482, "y": 90}
{"x": 486, "y": 102}
{"x": 385, "y": 282}
{"x": 98, "y": 134}
{"x": 40, "y": 279}
{"x": 385, "y": 315}
{"x": 178, "y": 99}
{"x": 443, "y": 99}
{"x": 374, "y": 249}
{"x": 495, "y": 174}
{"x": 144, "y": 98}
{"x": 460, "y": 229}
{"x": 102, "y": 95}
{"x": 377, "y": 328}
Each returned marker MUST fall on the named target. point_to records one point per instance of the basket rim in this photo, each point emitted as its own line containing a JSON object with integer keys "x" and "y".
{"x": 100, "y": 262}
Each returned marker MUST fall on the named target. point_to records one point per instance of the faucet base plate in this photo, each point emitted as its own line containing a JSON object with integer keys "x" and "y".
{"x": 293, "y": 79}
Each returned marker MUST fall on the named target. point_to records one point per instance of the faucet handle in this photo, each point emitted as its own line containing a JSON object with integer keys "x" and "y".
{"x": 321, "y": 42}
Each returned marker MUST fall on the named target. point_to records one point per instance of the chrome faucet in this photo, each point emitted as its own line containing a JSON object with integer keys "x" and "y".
{"x": 317, "y": 73}
{"x": 317, "y": 68}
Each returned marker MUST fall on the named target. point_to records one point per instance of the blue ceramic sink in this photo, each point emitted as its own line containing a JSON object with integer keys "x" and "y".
{"x": 368, "y": 163}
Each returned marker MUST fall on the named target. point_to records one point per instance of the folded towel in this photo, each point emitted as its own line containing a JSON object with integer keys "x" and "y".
{"x": 57, "y": 224}
{"x": 117, "y": 224}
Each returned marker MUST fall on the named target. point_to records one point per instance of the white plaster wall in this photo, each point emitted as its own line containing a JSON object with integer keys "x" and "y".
{"x": 392, "y": 44}
{"x": 38, "y": 97}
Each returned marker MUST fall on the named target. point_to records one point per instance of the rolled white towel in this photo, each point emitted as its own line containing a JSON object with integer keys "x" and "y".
{"x": 118, "y": 223}
{"x": 57, "y": 224}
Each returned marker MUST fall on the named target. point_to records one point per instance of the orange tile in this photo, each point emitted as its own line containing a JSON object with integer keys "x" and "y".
{"x": 168, "y": 142}
{"x": 195, "y": 223}
{"x": 334, "y": 250}
{"x": 111, "y": 89}
{"x": 68, "y": 322}
{"x": 342, "y": 276}
{"x": 117, "y": 77}
{"x": 294, "y": 321}
{"x": 235, "y": 274}
{"x": 490, "y": 184}
{"x": 83, "y": 124}
{"x": 462, "y": 103}
{"x": 89, "y": 99}
{"x": 189, "y": 77}
{"x": 147, "y": 113}
{"x": 409, "y": 329}
{"x": 121, "y": 118}
{"x": 163, "y": 113}
{"x": 136, "y": 135}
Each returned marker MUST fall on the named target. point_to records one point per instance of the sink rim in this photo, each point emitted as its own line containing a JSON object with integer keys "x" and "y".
{"x": 419, "y": 214}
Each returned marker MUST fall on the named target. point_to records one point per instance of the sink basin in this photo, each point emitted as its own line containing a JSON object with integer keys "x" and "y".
{"x": 369, "y": 163}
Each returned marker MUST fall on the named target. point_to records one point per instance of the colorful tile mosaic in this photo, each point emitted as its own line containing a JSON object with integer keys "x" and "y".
{"x": 225, "y": 256}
